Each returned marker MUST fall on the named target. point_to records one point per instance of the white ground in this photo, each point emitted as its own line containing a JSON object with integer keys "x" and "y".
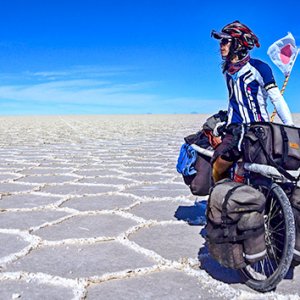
{"x": 88, "y": 211}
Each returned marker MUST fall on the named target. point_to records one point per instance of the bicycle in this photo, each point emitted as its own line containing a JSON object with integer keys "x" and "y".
{"x": 264, "y": 275}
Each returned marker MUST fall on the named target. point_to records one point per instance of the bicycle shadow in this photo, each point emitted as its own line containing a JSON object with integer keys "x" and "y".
{"x": 195, "y": 216}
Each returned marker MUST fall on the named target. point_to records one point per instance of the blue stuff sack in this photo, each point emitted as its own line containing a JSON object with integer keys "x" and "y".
{"x": 186, "y": 160}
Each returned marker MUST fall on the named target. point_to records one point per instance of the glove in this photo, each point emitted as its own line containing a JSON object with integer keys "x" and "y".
{"x": 219, "y": 129}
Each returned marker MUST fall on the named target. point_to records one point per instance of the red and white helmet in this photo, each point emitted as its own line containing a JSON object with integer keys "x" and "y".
{"x": 242, "y": 36}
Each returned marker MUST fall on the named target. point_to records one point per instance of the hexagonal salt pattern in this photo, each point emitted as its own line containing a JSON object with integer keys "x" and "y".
{"x": 158, "y": 210}
{"x": 81, "y": 261}
{"x": 171, "y": 241}
{"x": 162, "y": 285}
{"x": 86, "y": 226}
{"x": 27, "y": 219}
{"x": 89, "y": 209}
{"x": 159, "y": 190}
{"x": 33, "y": 290}
{"x": 27, "y": 200}
{"x": 11, "y": 243}
{"x": 101, "y": 202}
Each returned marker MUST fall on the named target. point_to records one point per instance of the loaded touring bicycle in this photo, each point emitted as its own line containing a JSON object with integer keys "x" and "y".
{"x": 254, "y": 226}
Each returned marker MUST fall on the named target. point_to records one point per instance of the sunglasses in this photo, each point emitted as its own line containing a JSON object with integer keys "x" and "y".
{"x": 225, "y": 41}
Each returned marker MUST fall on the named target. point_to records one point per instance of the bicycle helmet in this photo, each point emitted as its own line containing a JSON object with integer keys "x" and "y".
{"x": 242, "y": 38}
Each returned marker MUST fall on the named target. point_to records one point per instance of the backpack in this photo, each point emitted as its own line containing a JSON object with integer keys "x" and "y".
{"x": 273, "y": 144}
{"x": 235, "y": 224}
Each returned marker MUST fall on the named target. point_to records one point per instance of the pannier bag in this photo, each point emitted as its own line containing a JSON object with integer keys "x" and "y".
{"x": 235, "y": 224}
{"x": 195, "y": 167}
{"x": 295, "y": 201}
{"x": 273, "y": 144}
{"x": 201, "y": 182}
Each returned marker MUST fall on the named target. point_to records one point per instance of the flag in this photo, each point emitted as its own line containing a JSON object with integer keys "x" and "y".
{"x": 283, "y": 53}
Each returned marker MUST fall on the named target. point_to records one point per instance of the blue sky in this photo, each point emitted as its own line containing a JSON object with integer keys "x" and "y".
{"x": 128, "y": 56}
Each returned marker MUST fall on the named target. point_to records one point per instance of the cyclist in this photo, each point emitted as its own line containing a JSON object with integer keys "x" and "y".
{"x": 250, "y": 82}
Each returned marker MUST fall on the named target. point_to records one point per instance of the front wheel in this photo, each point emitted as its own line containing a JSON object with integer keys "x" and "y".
{"x": 265, "y": 274}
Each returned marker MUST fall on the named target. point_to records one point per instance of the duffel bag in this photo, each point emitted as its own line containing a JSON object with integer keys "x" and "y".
{"x": 273, "y": 144}
{"x": 235, "y": 224}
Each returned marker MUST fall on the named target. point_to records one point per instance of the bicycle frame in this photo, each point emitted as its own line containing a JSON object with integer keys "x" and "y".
{"x": 265, "y": 170}
{"x": 280, "y": 228}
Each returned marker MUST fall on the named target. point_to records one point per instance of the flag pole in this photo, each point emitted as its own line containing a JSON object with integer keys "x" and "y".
{"x": 287, "y": 77}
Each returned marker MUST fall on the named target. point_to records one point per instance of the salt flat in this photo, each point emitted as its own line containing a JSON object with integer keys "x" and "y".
{"x": 88, "y": 211}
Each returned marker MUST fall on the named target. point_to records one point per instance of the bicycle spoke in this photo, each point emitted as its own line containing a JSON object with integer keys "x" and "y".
{"x": 279, "y": 224}
{"x": 266, "y": 266}
{"x": 276, "y": 247}
{"x": 275, "y": 212}
{"x": 277, "y": 230}
{"x": 267, "y": 262}
{"x": 265, "y": 274}
{"x": 277, "y": 238}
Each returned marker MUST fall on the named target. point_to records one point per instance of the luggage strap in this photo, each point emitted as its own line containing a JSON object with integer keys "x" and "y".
{"x": 225, "y": 202}
{"x": 285, "y": 146}
{"x": 224, "y": 220}
{"x": 237, "y": 238}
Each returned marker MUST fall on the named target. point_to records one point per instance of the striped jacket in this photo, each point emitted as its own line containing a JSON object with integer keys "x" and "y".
{"x": 249, "y": 89}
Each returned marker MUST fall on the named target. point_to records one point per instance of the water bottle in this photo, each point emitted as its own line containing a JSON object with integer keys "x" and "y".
{"x": 239, "y": 173}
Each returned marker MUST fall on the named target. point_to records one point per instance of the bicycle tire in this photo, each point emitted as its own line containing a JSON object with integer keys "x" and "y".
{"x": 265, "y": 275}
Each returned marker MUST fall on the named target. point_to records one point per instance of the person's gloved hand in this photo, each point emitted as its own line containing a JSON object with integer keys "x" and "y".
{"x": 219, "y": 129}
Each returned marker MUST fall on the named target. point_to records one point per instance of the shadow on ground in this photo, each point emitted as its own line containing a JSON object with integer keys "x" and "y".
{"x": 195, "y": 215}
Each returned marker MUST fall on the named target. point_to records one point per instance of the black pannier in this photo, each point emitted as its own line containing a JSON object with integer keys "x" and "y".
{"x": 235, "y": 224}
{"x": 273, "y": 144}
{"x": 207, "y": 138}
{"x": 201, "y": 182}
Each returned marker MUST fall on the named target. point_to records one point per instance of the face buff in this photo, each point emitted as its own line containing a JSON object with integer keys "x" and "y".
{"x": 235, "y": 67}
